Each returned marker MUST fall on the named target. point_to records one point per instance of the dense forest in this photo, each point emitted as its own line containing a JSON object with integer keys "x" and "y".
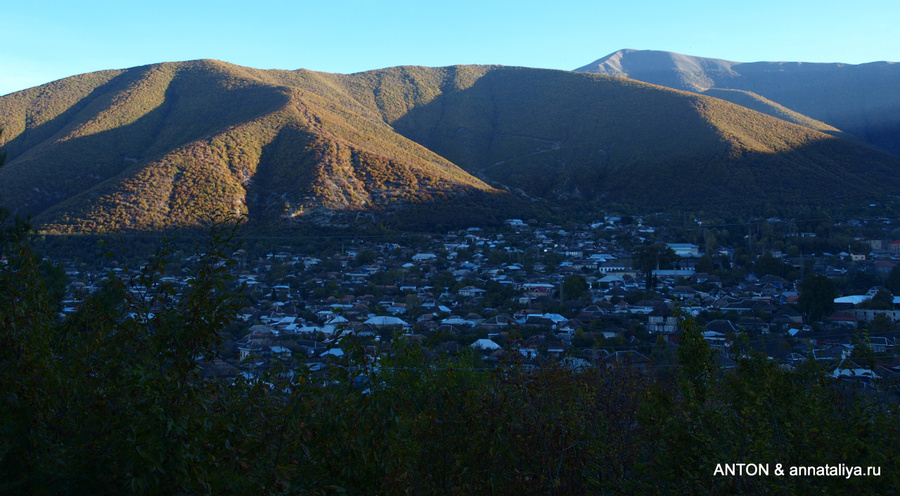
{"x": 121, "y": 398}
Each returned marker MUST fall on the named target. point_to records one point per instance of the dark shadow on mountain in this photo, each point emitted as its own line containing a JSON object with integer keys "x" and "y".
{"x": 541, "y": 133}
{"x": 828, "y": 174}
{"x": 885, "y": 135}
{"x": 858, "y": 99}
{"x": 282, "y": 179}
{"x": 281, "y": 198}
{"x": 473, "y": 208}
{"x": 537, "y": 131}
{"x": 106, "y": 91}
{"x": 61, "y": 173}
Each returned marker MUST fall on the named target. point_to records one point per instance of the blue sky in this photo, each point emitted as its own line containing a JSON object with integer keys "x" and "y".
{"x": 43, "y": 41}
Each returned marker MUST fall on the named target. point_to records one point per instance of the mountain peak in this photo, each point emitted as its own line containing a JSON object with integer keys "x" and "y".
{"x": 858, "y": 100}
{"x": 675, "y": 70}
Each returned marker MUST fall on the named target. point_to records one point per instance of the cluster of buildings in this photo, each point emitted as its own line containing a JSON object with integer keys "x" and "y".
{"x": 541, "y": 293}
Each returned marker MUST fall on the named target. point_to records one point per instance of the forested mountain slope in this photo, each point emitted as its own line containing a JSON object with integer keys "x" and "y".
{"x": 862, "y": 100}
{"x": 167, "y": 145}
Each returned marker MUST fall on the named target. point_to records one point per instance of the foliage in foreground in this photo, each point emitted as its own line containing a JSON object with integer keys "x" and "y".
{"x": 111, "y": 401}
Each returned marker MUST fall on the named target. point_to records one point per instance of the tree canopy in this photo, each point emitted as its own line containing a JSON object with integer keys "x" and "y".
{"x": 652, "y": 256}
{"x": 892, "y": 282}
{"x": 817, "y": 294}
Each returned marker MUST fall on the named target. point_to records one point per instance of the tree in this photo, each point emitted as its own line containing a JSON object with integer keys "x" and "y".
{"x": 705, "y": 264}
{"x": 581, "y": 340}
{"x": 817, "y": 294}
{"x": 881, "y": 324}
{"x": 892, "y": 283}
{"x": 117, "y": 384}
{"x": 662, "y": 353}
{"x": 111, "y": 400}
{"x": 696, "y": 360}
{"x": 364, "y": 257}
{"x": 12, "y": 229}
{"x": 573, "y": 287}
{"x": 882, "y": 300}
{"x": 650, "y": 257}
{"x": 862, "y": 349}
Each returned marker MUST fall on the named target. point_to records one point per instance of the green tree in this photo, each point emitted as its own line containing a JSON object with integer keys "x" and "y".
{"x": 862, "y": 353}
{"x": 580, "y": 340}
{"x": 110, "y": 400}
{"x": 662, "y": 353}
{"x": 705, "y": 264}
{"x": 882, "y": 300}
{"x": 817, "y": 294}
{"x": 364, "y": 257}
{"x": 13, "y": 230}
{"x": 696, "y": 360}
{"x": 574, "y": 287}
{"x": 649, "y": 257}
{"x": 881, "y": 324}
{"x": 892, "y": 282}
{"x": 278, "y": 272}
{"x": 769, "y": 265}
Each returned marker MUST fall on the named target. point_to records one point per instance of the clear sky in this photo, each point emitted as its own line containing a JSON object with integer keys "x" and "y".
{"x": 47, "y": 40}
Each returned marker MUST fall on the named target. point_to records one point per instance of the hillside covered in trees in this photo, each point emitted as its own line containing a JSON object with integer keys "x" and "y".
{"x": 859, "y": 101}
{"x": 167, "y": 145}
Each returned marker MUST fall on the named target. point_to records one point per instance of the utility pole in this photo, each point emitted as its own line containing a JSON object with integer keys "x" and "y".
{"x": 802, "y": 265}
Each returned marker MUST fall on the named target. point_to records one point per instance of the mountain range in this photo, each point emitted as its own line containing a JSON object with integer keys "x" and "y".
{"x": 862, "y": 100}
{"x": 167, "y": 145}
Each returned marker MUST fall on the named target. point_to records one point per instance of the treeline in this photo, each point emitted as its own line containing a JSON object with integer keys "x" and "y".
{"x": 121, "y": 398}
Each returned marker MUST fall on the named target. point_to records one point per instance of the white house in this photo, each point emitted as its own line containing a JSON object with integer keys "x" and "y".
{"x": 485, "y": 344}
{"x": 385, "y": 321}
{"x": 685, "y": 250}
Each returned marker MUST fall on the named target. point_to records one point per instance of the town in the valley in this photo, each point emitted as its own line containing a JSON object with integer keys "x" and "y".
{"x": 606, "y": 294}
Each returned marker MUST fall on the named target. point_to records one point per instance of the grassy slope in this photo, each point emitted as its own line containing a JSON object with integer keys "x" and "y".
{"x": 758, "y": 103}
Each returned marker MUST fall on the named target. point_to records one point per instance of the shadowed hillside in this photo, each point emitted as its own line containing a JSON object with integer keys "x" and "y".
{"x": 556, "y": 134}
{"x": 862, "y": 100}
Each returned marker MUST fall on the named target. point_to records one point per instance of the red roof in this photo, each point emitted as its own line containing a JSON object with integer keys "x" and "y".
{"x": 842, "y": 317}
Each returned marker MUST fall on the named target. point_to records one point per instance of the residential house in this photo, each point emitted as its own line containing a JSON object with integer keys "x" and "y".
{"x": 685, "y": 250}
{"x": 485, "y": 344}
{"x": 471, "y": 292}
{"x": 661, "y": 320}
{"x": 385, "y": 321}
